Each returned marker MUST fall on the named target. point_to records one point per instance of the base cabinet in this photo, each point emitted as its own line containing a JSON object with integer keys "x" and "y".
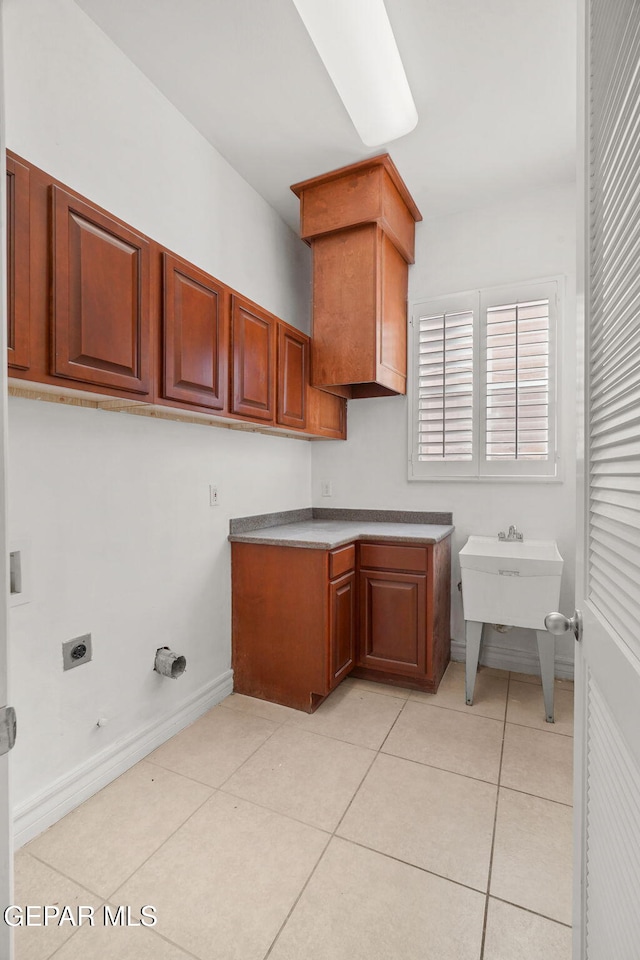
{"x": 293, "y": 622}
{"x": 304, "y": 619}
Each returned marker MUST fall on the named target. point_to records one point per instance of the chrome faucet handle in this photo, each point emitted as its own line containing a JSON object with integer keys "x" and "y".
{"x": 502, "y": 535}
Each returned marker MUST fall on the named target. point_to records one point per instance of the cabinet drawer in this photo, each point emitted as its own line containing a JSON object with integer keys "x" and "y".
{"x": 387, "y": 556}
{"x": 342, "y": 560}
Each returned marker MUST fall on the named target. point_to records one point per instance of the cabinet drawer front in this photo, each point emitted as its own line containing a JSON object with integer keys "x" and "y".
{"x": 342, "y": 560}
{"x": 387, "y": 556}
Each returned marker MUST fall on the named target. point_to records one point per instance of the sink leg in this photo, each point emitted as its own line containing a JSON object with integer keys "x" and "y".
{"x": 473, "y": 633}
{"x": 547, "y": 654}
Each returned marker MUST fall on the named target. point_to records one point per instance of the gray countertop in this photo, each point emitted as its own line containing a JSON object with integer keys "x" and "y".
{"x": 327, "y": 534}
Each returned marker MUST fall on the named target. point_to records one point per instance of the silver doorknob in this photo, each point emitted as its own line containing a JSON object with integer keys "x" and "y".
{"x": 558, "y": 624}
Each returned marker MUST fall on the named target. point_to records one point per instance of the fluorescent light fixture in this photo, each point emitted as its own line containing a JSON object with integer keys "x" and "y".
{"x": 356, "y": 44}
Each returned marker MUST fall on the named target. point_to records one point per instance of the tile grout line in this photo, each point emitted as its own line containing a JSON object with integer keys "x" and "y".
{"x": 333, "y": 834}
{"x": 495, "y": 823}
{"x": 187, "y": 953}
{"x": 100, "y": 896}
{"x": 408, "y": 863}
{"x": 535, "y": 913}
{"x": 536, "y": 796}
{"x": 434, "y": 766}
{"x": 483, "y": 716}
{"x": 166, "y": 839}
{"x": 246, "y": 759}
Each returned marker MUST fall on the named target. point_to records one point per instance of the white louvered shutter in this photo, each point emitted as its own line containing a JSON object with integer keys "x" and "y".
{"x": 614, "y": 566}
{"x": 444, "y": 395}
{"x": 518, "y": 380}
{"x": 445, "y": 391}
{"x": 607, "y": 800}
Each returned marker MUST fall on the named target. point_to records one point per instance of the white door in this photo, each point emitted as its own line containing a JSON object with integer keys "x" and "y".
{"x": 6, "y": 845}
{"x": 607, "y": 796}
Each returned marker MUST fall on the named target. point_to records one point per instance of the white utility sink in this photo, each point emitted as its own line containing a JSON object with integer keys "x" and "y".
{"x": 514, "y": 582}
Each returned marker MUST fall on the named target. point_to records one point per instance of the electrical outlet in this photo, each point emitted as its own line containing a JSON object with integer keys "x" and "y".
{"x": 326, "y": 488}
{"x": 76, "y": 651}
{"x": 213, "y": 495}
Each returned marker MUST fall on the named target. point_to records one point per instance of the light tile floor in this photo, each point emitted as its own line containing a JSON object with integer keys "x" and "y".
{"x": 389, "y": 825}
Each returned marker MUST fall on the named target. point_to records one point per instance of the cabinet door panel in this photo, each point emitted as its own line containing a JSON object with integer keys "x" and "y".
{"x": 345, "y": 296}
{"x": 393, "y": 622}
{"x": 394, "y": 277}
{"x": 327, "y": 414}
{"x": 18, "y": 298}
{"x": 342, "y": 621}
{"x": 101, "y": 322}
{"x": 253, "y": 337}
{"x": 195, "y": 336}
{"x": 293, "y": 376}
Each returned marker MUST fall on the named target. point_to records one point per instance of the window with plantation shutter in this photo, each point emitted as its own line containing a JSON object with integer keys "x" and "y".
{"x": 483, "y": 388}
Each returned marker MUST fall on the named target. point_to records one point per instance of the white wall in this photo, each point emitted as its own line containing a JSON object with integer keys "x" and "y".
{"x": 524, "y": 239}
{"x": 121, "y": 539}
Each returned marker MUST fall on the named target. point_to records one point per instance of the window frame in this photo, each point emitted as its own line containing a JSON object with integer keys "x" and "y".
{"x": 479, "y": 468}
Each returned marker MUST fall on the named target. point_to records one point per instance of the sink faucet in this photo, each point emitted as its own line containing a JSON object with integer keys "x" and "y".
{"x": 512, "y": 535}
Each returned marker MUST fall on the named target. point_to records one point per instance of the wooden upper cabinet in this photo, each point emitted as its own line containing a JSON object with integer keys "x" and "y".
{"x": 327, "y": 415}
{"x": 18, "y": 285}
{"x": 253, "y": 337}
{"x": 196, "y": 336}
{"x": 293, "y": 377}
{"x": 95, "y": 306}
{"x": 100, "y": 302}
{"x": 360, "y": 223}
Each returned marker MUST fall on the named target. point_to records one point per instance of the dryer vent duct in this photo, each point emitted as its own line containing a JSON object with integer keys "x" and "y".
{"x": 168, "y": 663}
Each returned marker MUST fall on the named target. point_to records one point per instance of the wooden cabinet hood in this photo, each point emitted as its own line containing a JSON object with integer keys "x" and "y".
{"x": 360, "y": 223}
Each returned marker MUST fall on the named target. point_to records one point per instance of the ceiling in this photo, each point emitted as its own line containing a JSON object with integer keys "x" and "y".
{"x": 494, "y": 83}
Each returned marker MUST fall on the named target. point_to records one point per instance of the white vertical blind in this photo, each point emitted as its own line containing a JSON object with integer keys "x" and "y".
{"x": 614, "y": 333}
{"x": 445, "y": 386}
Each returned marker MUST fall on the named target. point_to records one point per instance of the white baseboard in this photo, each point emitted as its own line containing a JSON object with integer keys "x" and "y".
{"x": 63, "y": 795}
{"x": 512, "y": 658}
